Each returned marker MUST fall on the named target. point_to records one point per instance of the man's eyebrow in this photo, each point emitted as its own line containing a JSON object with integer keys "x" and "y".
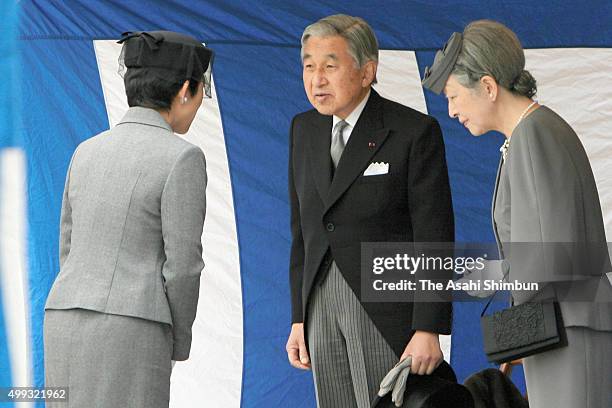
{"x": 330, "y": 56}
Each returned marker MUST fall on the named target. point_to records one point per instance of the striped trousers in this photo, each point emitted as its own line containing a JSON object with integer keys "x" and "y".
{"x": 349, "y": 356}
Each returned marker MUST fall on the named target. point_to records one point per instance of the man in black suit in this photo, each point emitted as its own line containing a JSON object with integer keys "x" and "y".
{"x": 361, "y": 169}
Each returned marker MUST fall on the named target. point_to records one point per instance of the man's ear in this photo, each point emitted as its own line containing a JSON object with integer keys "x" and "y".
{"x": 369, "y": 73}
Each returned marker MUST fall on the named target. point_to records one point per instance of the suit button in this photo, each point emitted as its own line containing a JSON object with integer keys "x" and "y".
{"x": 330, "y": 226}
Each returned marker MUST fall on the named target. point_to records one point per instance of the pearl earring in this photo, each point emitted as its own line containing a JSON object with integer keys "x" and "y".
{"x": 184, "y": 101}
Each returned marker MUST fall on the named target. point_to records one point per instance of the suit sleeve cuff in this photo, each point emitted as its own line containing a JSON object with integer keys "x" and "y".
{"x": 297, "y": 316}
{"x": 433, "y": 317}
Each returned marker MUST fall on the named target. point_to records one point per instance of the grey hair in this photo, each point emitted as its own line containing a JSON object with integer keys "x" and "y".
{"x": 491, "y": 48}
{"x": 361, "y": 40}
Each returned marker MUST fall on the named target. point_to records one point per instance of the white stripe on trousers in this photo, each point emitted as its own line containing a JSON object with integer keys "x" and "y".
{"x": 349, "y": 355}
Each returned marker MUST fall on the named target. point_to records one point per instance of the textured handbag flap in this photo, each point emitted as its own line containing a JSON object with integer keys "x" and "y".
{"x": 519, "y": 326}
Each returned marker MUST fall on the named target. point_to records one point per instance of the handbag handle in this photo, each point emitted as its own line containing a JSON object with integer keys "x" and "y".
{"x": 493, "y": 296}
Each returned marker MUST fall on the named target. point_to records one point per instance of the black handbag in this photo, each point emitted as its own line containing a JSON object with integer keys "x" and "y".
{"x": 521, "y": 331}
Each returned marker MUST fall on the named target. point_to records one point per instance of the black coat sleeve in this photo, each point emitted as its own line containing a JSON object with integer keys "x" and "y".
{"x": 296, "y": 262}
{"x": 431, "y": 214}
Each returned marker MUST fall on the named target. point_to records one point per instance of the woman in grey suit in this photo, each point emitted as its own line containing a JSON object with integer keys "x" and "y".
{"x": 545, "y": 195}
{"x": 121, "y": 309}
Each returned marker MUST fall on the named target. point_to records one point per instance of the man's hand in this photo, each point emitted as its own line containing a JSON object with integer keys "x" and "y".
{"x": 424, "y": 347}
{"x": 296, "y": 347}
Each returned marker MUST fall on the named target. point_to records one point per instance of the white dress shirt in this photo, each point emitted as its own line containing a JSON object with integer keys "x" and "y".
{"x": 351, "y": 119}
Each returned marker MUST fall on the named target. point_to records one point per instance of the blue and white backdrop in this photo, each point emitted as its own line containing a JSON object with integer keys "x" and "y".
{"x": 65, "y": 88}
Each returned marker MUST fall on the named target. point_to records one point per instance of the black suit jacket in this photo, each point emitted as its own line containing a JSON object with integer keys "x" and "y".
{"x": 330, "y": 218}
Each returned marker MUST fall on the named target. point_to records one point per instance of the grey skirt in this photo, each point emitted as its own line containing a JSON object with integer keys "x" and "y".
{"x": 107, "y": 360}
{"x": 576, "y": 376}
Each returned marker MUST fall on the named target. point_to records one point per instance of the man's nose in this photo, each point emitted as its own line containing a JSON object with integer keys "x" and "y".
{"x": 319, "y": 77}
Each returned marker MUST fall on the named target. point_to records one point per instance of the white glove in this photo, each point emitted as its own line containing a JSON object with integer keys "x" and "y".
{"x": 396, "y": 380}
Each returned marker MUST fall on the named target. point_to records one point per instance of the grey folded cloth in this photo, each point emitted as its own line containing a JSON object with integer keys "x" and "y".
{"x": 396, "y": 380}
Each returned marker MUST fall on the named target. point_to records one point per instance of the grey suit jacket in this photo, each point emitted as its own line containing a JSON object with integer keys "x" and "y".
{"x": 131, "y": 226}
{"x": 545, "y": 202}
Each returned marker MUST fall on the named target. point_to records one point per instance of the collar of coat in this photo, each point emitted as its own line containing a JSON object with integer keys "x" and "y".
{"x": 145, "y": 116}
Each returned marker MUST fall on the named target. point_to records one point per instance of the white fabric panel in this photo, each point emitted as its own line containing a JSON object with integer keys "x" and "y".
{"x": 399, "y": 80}
{"x": 13, "y": 265}
{"x": 213, "y": 374}
{"x": 577, "y": 84}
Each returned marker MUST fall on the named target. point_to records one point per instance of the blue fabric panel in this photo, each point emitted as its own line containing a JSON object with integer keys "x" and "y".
{"x": 259, "y": 93}
{"x": 8, "y": 56}
{"x": 399, "y": 24}
{"x": 63, "y": 105}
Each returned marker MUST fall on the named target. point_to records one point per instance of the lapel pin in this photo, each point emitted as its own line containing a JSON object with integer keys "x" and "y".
{"x": 371, "y": 145}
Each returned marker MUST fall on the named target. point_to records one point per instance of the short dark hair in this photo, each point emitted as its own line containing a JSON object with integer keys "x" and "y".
{"x": 144, "y": 87}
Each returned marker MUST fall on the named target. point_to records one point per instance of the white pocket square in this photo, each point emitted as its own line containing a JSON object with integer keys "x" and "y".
{"x": 376, "y": 168}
